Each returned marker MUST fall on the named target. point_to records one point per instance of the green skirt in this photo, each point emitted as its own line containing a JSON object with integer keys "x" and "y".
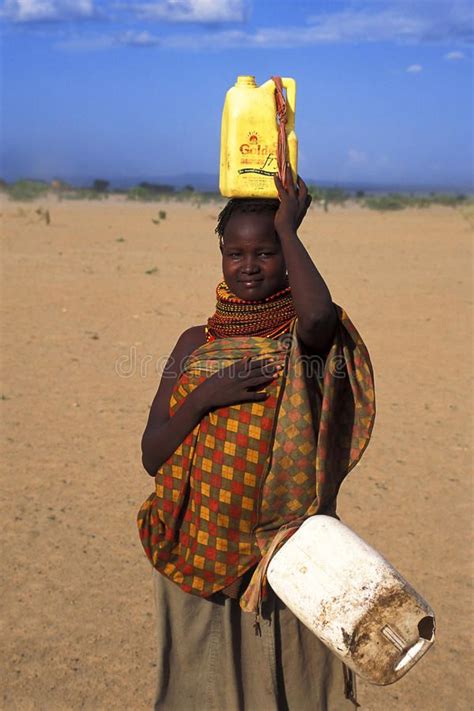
{"x": 210, "y": 657}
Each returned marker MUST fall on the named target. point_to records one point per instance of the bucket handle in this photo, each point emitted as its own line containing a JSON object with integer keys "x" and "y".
{"x": 290, "y": 86}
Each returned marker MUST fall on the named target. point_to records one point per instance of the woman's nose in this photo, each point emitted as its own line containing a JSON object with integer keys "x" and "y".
{"x": 250, "y": 266}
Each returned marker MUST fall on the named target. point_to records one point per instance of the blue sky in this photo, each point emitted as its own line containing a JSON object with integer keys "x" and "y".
{"x": 113, "y": 89}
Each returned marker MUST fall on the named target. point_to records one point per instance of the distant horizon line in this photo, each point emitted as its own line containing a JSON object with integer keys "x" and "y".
{"x": 210, "y": 182}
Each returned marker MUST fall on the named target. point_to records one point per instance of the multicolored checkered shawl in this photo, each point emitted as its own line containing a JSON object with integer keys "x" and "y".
{"x": 248, "y": 475}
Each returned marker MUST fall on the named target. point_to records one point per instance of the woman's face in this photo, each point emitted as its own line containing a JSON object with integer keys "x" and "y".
{"x": 252, "y": 260}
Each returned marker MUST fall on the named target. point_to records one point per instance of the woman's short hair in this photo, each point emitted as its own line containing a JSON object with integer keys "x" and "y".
{"x": 243, "y": 205}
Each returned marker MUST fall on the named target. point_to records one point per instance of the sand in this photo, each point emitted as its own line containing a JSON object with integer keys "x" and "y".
{"x": 92, "y": 303}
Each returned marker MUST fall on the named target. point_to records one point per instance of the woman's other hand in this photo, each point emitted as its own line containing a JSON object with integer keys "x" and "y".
{"x": 294, "y": 204}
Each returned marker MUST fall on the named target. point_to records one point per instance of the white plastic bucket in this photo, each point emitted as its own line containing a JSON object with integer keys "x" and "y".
{"x": 352, "y": 599}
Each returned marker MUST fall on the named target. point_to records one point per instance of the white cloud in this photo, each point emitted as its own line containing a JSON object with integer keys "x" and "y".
{"x": 89, "y": 43}
{"x": 199, "y": 11}
{"x": 401, "y": 21}
{"x": 356, "y": 156}
{"x": 415, "y": 68}
{"x": 132, "y": 38}
{"x": 366, "y": 25}
{"x": 410, "y": 22}
{"x": 394, "y": 21}
{"x": 47, "y": 10}
{"x": 453, "y": 56}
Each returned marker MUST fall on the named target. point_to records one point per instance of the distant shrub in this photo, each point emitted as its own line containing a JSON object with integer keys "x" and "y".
{"x": 386, "y": 202}
{"x": 186, "y": 195}
{"x": 100, "y": 186}
{"x": 449, "y": 200}
{"x": 92, "y": 195}
{"x": 44, "y": 215}
{"x": 420, "y": 201}
{"x": 151, "y": 192}
{"x": 142, "y": 194}
{"x": 60, "y": 186}
{"x": 398, "y": 201}
{"x": 198, "y": 199}
{"x": 24, "y": 190}
{"x": 467, "y": 210}
{"x": 159, "y": 188}
{"x": 335, "y": 195}
{"x": 83, "y": 194}
{"x": 71, "y": 195}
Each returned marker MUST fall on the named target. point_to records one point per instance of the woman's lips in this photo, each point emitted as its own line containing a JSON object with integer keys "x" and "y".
{"x": 251, "y": 282}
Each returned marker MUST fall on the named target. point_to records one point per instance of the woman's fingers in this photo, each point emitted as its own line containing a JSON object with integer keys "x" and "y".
{"x": 250, "y": 367}
{"x": 254, "y": 396}
{"x": 302, "y": 188}
{"x": 303, "y": 193}
{"x": 257, "y": 382}
{"x": 304, "y": 200}
{"x": 291, "y": 186}
{"x": 279, "y": 186}
{"x": 302, "y": 185}
{"x": 263, "y": 369}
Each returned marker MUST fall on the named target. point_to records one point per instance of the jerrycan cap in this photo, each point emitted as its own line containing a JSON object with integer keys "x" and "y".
{"x": 248, "y": 81}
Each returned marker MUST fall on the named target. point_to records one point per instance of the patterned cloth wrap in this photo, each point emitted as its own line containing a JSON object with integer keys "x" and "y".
{"x": 248, "y": 475}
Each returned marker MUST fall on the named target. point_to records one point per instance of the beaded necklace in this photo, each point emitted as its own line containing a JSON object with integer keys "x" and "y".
{"x": 270, "y": 317}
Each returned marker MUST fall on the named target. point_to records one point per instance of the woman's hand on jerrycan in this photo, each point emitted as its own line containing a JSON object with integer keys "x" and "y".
{"x": 294, "y": 203}
{"x": 240, "y": 382}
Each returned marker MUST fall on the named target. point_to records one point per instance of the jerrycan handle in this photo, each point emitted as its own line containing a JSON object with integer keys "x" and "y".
{"x": 290, "y": 86}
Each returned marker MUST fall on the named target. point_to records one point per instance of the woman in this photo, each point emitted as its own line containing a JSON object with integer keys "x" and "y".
{"x": 259, "y": 416}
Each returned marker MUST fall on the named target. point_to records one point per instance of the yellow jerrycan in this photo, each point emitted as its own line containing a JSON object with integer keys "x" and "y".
{"x": 249, "y": 138}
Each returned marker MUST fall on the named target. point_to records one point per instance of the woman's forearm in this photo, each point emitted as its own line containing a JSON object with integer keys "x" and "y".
{"x": 311, "y": 296}
{"x": 159, "y": 442}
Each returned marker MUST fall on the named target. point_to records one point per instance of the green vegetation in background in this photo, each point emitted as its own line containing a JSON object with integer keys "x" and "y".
{"x": 337, "y": 196}
{"x": 100, "y": 186}
{"x": 83, "y": 194}
{"x": 399, "y": 201}
{"x": 149, "y": 192}
{"x": 25, "y": 190}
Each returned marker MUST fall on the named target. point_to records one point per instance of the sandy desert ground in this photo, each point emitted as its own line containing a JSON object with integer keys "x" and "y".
{"x": 91, "y": 305}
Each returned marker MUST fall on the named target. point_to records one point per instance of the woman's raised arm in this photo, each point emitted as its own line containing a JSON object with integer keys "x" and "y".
{"x": 313, "y": 304}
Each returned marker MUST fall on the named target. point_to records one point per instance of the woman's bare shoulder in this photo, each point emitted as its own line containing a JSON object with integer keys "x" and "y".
{"x": 191, "y": 339}
{"x": 188, "y": 341}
